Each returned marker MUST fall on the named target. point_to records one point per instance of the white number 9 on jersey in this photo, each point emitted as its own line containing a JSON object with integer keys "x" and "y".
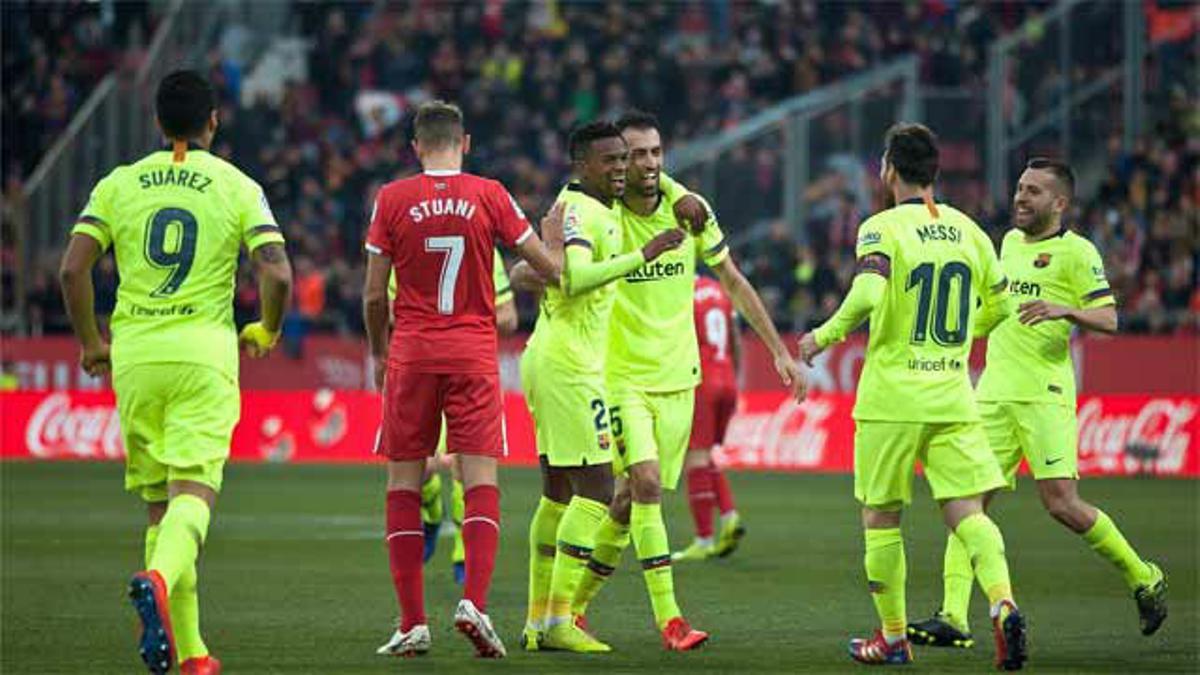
{"x": 716, "y": 331}
{"x": 453, "y": 248}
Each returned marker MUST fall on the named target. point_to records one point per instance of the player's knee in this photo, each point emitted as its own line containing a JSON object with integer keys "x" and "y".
{"x": 622, "y": 505}
{"x": 645, "y": 484}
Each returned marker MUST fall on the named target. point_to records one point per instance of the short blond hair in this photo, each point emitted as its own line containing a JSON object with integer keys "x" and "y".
{"x": 438, "y": 125}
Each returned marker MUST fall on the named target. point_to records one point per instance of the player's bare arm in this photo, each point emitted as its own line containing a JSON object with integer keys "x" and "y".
{"x": 749, "y": 305}
{"x": 543, "y": 255}
{"x": 1098, "y": 319}
{"x": 75, "y": 276}
{"x": 506, "y": 318}
{"x": 375, "y": 312}
{"x": 274, "y": 273}
{"x": 867, "y": 290}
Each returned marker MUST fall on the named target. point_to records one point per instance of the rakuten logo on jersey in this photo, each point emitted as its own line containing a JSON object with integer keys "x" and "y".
{"x": 57, "y": 428}
{"x": 791, "y": 436}
{"x": 1152, "y": 437}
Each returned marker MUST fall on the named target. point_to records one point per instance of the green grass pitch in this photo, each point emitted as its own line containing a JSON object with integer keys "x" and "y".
{"x": 294, "y": 579}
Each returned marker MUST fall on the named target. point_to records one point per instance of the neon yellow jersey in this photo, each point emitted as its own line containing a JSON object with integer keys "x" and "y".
{"x": 176, "y": 230}
{"x": 920, "y": 336}
{"x": 572, "y": 331}
{"x": 1033, "y": 363}
{"x": 500, "y": 280}
{"x": 652, "y": 344}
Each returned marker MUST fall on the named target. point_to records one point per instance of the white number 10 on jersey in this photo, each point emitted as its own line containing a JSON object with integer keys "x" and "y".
{"x": 453, "y": 248}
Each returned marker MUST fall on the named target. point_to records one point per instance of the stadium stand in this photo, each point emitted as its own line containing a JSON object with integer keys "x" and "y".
{"x": 524, "y": 74}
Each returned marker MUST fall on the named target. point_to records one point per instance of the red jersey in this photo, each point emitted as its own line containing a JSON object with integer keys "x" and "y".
{"x": 714, "y": 332}
{"x": 439, "y": 229}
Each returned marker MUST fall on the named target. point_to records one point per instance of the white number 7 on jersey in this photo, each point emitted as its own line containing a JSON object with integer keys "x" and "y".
{"x": 453, "y": 248}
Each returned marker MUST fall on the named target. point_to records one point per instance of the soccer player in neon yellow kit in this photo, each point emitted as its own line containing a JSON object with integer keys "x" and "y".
{"x": 652, "y": 370}
{"x": 562, "y": 372}
{"x": 1027, "y": 393}
{"x": 922, "y": 269}
{"x": 176, "y": 221}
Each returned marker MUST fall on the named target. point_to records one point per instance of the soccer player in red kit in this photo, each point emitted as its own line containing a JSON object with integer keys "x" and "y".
{"x": 716, "y": 400}
{"x": 437, "y": 231}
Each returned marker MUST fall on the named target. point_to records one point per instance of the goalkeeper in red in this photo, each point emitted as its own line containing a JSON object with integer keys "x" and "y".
{"x": 927, "y": 279}
{"x": 437, "y": 230}
{"x": 176, "y": 221}
{"x": 1027, "y": 393}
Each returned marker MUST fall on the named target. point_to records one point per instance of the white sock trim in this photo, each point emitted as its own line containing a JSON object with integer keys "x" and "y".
{"x": 482, "y": 519}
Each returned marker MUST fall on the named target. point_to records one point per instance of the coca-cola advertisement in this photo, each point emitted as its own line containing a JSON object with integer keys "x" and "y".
{"x": 1118, "y": 435}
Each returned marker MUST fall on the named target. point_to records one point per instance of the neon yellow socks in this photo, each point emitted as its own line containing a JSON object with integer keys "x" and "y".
{"x": 185, "y": 606}
{"x": 458, "y": 509}
{"x": 180, "y": 535}
{"x": 1106, "y": 540}
{"x": 886, "y": 576}
{"x": 653, "y": 551}
{"x": 957, "y": 581}
{"x": 543, "y": 538}
{"x": 432, "y": 510}
{"x": 985, "y": 546}
{"x": 576, "y": 540}
{"x": 612, "y": 538}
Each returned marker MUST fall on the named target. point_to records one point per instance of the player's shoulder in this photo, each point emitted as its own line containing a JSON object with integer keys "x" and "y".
{"x": 1079, "y": 244}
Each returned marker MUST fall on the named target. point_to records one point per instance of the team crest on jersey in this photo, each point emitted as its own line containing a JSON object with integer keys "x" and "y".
{"x": 1043, "y": 260}
{"x": 603, "y": 441}
{"x": 571, "y": 224}
{"x": 440, "y": 186}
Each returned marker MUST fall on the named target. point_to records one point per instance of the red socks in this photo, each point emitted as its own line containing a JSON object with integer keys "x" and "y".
{"x": 702, "y": 499}
{"x": 721, "y": 487}
{"x": 406, "y": 548}
{"x": 481, "y": 535}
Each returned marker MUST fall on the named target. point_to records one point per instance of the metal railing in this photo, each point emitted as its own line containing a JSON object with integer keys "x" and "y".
{"x": 763, "y": 169}
{"x": 114, "y": 125}
{"x": 1063, "y": 84}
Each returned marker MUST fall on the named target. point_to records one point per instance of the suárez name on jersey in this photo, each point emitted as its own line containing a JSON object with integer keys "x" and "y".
{"x": 654, "y": 271}
{"x": 939, "y": 232}
{"x": 463, "y": 208}
{"x": 175, "y": 177}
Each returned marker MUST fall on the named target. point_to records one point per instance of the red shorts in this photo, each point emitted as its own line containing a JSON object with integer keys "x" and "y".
{"x": 710, "y": 418}
{"x": 413, "y": 405}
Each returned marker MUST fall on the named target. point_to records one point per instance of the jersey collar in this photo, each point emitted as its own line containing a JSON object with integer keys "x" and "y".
{"x": 442, "y": 172}
{"x": 912, "y": 200}
{"x": 192, "y": 146}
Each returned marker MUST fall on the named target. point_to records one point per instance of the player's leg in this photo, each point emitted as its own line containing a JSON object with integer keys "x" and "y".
{"x": 732, "y": 530}
{"x": 543, "y": 546}
{"x": 612, "y": 538}
{"x": 702, "y": 496}
{"x": 579, "y": 445}
{"x": 458, "y": 507}
{"x": 884, "y": 453}
{"x": 656, "y": 433}
{"x": 961, "y": 469}
{"x": 411, "y": 418}
{"x": 950, "y": 627}
{"x": 474, "y": 433}
{"x": 592, "y": 490}
{"x": 1050, "y": 432}
{"x": 702, "y": 501}
{"x": 141, "y": 402}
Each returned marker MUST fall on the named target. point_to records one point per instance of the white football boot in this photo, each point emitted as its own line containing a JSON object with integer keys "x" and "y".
{"x": 477, "y": 627}
{"x": 415, "y": 642}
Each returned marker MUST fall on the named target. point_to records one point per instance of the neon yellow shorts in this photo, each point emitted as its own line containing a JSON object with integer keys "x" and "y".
{"x": 955, "y": 456}
{"x": 1045, "y": 434}
{"x": 651, "y": 425}
{"x": 177, "y": 422}
{"x": 570, "y": 416}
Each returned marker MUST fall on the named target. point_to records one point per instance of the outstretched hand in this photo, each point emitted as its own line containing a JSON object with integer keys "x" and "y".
{"x": 691, "y": 213}
{"x": 667, "y": 240}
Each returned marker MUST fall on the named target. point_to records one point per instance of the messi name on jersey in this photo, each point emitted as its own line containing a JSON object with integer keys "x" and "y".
{"x": 655, "y": 271}
{"x": 175, "y": 178}
{"x": 939, "y": 232}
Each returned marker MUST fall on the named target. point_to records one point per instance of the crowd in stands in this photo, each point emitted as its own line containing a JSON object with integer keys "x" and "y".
{"x": 525, "y": 72}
